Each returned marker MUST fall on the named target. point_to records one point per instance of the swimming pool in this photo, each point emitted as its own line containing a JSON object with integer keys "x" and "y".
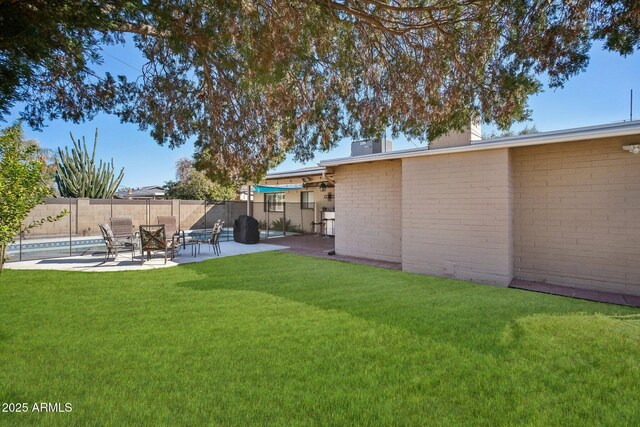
{"x": 53, "y": 247}
{"x": 48, "y": 247}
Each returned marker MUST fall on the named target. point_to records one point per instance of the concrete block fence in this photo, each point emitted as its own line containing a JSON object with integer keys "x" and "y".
{"x": 86, "y": 214}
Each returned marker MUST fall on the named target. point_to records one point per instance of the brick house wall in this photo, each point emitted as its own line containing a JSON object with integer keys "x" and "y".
{"x": 368, "y": 210}
{"x": 577, "y": 214}
{"x": 456, "y": 216}
{"x": 565, "y": 213}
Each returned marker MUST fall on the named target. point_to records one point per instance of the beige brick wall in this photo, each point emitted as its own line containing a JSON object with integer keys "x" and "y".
{"x": 368, "y": 210}
{"x": 577, "y": 214}
{"x": 456, "y": 216}
{"x": 88, "y": 213}
{"x": 192, "y": 214}
{"x": 134, "y": 209}
{"x": 52, "y": 208}
{"x": 160, "y": 208}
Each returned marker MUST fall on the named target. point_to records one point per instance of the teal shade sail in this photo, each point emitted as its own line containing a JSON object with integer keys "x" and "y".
{"x": 275, "y": 188}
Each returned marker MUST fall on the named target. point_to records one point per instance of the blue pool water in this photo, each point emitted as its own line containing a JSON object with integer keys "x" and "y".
{"x": 40, "y": 248}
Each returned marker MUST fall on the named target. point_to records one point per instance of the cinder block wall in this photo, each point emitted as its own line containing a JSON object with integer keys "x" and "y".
{"x": 52, "y": 208}
{"x": 160, "y": 208}
{"x": 368, "y": 210}
{"x": 191, "y": 214}
{"x": 577, "y": 214}
{"x": 456, "y": 216}
{"x": 134, "y": 209}
{"x": 88, "y": 213}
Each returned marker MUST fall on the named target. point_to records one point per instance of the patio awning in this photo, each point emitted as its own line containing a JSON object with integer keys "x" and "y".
{"x": 275, "y": 188}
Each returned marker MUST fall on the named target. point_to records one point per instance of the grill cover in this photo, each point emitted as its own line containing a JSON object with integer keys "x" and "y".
{"x": 246, "y": 230}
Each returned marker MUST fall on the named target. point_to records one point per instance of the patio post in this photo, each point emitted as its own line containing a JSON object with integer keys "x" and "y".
{"x": 70, "y": 223}
{"x": 248, "y": 199}
{"x": 315, "y": 216}
{"x": 175, "y": 211}
{"x": 266, "y": 205}
{"x": 228, "y": 204}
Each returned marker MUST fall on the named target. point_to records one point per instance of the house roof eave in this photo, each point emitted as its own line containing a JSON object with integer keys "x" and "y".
{"x": 552, "y": 137}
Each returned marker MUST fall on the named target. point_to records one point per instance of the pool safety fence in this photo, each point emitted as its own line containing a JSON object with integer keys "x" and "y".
{"x": 78, "y": 233}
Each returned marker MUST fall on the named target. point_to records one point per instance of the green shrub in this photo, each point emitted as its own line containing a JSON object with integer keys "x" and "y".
{"x": 281, "y": 225}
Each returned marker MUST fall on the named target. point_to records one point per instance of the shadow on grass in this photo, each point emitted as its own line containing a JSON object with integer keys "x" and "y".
{"x": 467, "y": 314}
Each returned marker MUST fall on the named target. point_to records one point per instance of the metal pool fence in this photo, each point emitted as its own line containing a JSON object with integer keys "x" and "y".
{"x": 78, "y": 233}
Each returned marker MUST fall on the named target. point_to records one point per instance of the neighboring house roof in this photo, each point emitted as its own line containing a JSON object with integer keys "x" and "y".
{"x": 148, "y": 191}
{"x": 567, "y": 135}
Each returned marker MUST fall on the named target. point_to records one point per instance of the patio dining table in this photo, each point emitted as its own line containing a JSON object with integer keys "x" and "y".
{"x": 195, "y": 239}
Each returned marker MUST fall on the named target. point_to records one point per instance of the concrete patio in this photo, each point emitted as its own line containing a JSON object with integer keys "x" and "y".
{"x": 96, "y": 263}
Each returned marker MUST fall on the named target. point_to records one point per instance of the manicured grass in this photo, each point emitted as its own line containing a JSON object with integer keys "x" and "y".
{"x": 274, "y": 338}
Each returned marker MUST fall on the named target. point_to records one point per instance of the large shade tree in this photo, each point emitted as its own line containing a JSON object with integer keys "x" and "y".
{"x": 192, "y": 184}
{"x": 250, "y": 81}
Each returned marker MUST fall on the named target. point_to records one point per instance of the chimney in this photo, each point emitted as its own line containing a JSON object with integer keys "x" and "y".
{"x": 370, "y": 146}
{"x": 471, "y": 135}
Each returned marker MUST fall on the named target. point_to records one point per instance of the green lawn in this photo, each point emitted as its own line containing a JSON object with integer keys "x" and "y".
{"x": 274, "y": 338}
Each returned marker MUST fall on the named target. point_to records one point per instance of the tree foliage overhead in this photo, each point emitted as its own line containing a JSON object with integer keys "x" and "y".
{"x": 527, "y": 130}
{"x": 250, "y": 81}
{"x": 192, "y": 184}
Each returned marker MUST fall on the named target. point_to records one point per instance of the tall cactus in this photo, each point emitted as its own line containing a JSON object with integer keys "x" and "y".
{"x": 78, "y": 176}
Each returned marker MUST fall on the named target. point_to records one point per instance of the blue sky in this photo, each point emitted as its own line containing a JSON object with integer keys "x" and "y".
{"x": 597, "y": 96}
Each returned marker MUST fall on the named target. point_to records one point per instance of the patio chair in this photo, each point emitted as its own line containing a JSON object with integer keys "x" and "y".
{"x": 153, "y": 238}
{"x": 123, "y": 229}
{"x": 215, "y": 237}
{"x": 171, "y": 232}
{"x": 113, "y": 243}
{"x": 122, "y": 226}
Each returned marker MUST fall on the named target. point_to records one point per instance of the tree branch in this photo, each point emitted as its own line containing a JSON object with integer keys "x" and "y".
{"x": 143, "y": 30}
